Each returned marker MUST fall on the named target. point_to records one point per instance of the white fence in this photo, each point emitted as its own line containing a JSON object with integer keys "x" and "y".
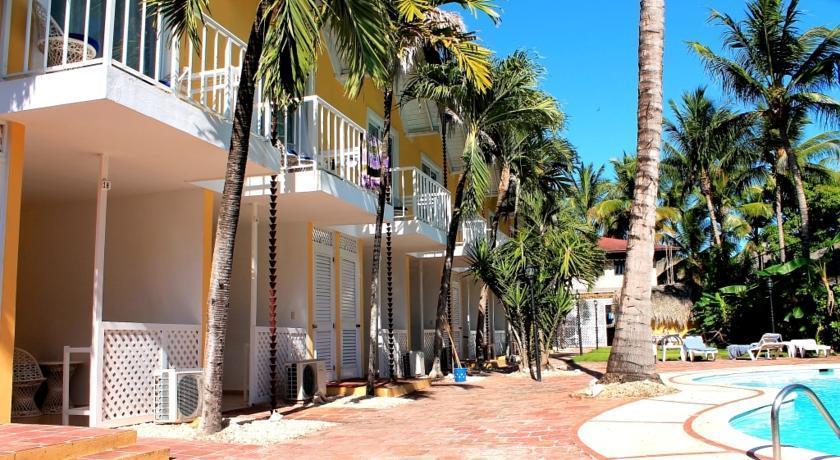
{"x": 291, "y": 346}
{"x": 400, "y": 347}
{"x": 131, "y": 353}
{"x": 593, "y": 325}
{"x": 418, "y": 196}
{"x": 500, "y": 341}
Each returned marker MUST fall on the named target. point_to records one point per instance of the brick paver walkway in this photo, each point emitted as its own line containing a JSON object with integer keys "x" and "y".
{"x": 496, "y": 417}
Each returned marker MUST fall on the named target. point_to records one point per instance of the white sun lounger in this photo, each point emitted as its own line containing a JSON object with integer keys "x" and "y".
{"x": 802, "y": 346}
{"x": 770, "y": 344}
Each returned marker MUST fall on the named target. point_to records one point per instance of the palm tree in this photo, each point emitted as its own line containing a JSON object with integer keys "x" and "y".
{"x": 706, "y": 141}
{"x": 512, "y": 98}
{"x": 783, "y": 72}
{"x": 613, "y": 212}
{"x": 283, "y": 45}
{"x": 416, "y": 26}
{"x": 589, "y": 188}
{"x": 631, "y": 358}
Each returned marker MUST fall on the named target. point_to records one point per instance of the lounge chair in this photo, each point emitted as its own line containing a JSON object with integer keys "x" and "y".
{"x": 769, "y": 344}
{"x": 693, "y": 346}
{"x": 801, "y": 346}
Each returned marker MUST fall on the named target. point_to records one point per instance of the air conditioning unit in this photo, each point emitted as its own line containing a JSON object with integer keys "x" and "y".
{"x": 416, "y": 363}
{"x": 177, "y": 395}
{"x": 305, "y": 379}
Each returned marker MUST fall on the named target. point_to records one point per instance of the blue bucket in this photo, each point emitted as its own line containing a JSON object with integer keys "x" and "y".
{"x": 460, "y": 374}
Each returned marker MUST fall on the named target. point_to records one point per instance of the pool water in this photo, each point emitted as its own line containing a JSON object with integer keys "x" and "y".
{"x": 801, "y": 425}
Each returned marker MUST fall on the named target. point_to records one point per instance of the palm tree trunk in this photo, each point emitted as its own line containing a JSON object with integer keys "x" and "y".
{"x": 220, "y": 277}
{"x": 802, "y": 203}
{"x": 631, "y": 358}
{"x": 384, "y": 157}
{"x": 442, "y": 320}
{"x": 706, "y": 189}
{"x": 780, "y": 218}
{"x": 481, "y": 316}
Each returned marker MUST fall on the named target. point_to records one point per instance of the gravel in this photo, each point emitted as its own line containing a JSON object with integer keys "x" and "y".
{"x": 367, "y": 402}
{"x": 257, "y": 432}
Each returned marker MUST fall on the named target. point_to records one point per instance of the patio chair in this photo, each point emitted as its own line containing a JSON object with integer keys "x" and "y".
{"x": 800, "y": 347}
{"x": 693, "y": 345}
{"x": 77, "y": 48}
{"x": 26, "y": 380}
{"x": 770, "y": 344}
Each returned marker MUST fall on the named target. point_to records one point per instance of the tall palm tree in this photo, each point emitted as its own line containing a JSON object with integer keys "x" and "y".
{"x": 631, "y": 358}
{"x": 783, "y": 72}
{"x": 512, "y": 98}
{"x": 416, "y": 26}
{"x": 283, "y": 45}
{"x": 706, "y": 141}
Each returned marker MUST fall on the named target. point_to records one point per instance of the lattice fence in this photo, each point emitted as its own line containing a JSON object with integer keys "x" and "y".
{"x": 568, "y": 330}
{"x": 291, "y": 346}
{"x": 471, "y": 346}
{"x": 132, "y": 352}
{"x": 400, "y": 347}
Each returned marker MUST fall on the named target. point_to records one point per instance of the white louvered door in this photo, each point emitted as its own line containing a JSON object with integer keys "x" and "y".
{"x": 351, "y": 363}
{"x": 456, "y": 316}
{"x": 323, "y": 322}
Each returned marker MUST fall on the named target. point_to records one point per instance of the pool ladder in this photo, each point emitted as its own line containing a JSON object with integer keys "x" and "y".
{"x": 777, "y": 405}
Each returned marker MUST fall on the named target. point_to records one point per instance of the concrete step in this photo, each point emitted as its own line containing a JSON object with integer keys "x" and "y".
{"x": 37, "y": 442}
{"x": 132, "y": 452}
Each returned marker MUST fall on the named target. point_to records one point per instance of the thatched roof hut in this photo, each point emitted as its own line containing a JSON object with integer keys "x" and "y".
{"x": 671, "y": 305}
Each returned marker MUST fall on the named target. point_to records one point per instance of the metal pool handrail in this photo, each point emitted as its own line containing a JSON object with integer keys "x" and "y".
{"x": 777, "y": 405}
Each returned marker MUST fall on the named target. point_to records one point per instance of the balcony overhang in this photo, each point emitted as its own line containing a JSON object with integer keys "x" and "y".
{"x": 408, "y": 235}
{"x": 72, "y": 100}
{"x": 311, "y": 196}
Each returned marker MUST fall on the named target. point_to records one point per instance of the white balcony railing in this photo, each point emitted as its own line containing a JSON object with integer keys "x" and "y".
{"x": 318, "y": 136}
{"x": 43, "y": 36}
{"x": 415, "y": 195}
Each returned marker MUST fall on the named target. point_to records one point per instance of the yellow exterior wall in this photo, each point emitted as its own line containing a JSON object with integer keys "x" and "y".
{"x": 329, "y": 88}
{"x": 15, "y": 135}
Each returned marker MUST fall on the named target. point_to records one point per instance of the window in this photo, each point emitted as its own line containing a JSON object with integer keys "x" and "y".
{"x": 619, "y": 267}
{"x": 430, "y": 169}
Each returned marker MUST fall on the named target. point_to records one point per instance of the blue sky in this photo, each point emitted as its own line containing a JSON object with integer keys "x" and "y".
{"x": 588, "y": 48}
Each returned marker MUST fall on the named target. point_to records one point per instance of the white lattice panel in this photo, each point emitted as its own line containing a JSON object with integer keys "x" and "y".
{"x": 429, "y": 345}
{"x": 132, "y": 352}
{"x": 348, "y": 245}
{"x": 291, "y": 346}
{"x": 322, "y": 237}
{"x": 400, "y": 347}
{"x": 568, "y": 330}
{"x": 471, "y": 346}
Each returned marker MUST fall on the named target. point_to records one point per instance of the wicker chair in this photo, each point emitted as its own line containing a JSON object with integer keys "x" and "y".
{"x": 26, "y": 379}
{"x": 77, "y": 48}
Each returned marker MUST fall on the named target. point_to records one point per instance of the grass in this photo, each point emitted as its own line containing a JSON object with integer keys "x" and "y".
{"x": 603, "y": 354}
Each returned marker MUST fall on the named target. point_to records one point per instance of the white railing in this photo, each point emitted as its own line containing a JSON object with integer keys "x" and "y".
{"x": 415, "y": 195}
{"x": 52, "y": 35}
{"x": 473, "y": 230}
{"x": 318, "y": 136}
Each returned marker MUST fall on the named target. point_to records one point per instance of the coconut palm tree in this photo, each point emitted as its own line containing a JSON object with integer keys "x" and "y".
{"x": 631, "y": 358}
{"x": 283, "y": 45}
{"x": 588, "y": 188}
{"x": 706, "y": 141}
{"x": 415, "y": 27}
{"x": 783, "y": 72}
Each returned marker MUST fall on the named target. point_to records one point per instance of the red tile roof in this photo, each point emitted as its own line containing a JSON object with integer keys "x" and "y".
{"x": 613, "y": 245}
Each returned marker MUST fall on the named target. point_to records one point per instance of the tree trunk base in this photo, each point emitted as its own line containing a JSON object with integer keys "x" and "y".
{"x": 627, "y": 378}
{"x": 436, "y": 373}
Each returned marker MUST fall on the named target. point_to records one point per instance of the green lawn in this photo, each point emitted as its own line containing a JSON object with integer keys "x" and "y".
{"x": 603, "y": 354}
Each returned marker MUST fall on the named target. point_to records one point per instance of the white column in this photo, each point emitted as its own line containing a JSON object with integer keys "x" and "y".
{"x": 96, "y": 349}
{"x": 252, "y": 355}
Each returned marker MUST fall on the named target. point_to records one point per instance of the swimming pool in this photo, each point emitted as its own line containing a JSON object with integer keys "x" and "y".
{"x": 801, "y": 424}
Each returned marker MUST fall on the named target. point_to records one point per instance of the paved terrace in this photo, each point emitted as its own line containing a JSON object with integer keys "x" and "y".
{"x": 499, "y": 416}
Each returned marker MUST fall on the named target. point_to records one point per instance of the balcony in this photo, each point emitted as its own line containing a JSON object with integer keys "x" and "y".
{"x": 416, "y": 196}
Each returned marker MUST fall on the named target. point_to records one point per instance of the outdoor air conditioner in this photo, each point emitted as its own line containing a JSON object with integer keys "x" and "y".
{"x": 417, "y": 363}
{"x": 177, "y": 395}
{"x": 305, "y": 379}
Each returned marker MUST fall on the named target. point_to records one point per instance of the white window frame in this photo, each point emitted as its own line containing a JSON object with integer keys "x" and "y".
{"x": 425, "y": 160}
